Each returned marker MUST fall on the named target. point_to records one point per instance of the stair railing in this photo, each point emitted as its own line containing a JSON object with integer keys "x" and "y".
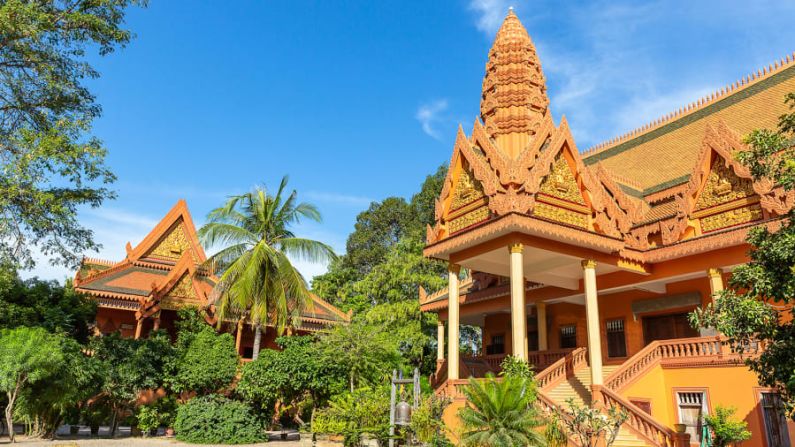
{"x": 562, "y": 368}
{"x": 639, "y": 421}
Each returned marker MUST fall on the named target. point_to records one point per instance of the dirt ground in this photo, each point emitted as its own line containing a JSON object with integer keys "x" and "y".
{"x": 137, "y": 442}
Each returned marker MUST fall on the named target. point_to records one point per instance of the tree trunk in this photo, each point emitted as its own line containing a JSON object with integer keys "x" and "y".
{"x": 257, "y": 337}
{"x": 12, "y": 397}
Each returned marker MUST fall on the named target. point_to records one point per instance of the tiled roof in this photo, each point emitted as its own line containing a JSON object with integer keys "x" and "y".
{"x": 674, "y": 144}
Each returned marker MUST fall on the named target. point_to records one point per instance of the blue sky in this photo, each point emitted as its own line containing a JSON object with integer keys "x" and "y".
{"x": 358, "y": 101}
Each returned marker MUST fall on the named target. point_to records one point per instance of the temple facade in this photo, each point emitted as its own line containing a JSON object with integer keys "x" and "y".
{"x": 165, "y": 272}
{"x": 587, "y": 264}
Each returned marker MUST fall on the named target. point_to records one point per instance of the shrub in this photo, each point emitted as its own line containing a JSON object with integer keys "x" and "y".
{"x": 725, "y": 429}
{"x": 216, "y": 419}
{"x": 427, "y": 423}
{"x": 158, "y": 414}
{"x": 207, "y": 363}
{"x": 352, "y": 414}
{"x": 516, "y": 367}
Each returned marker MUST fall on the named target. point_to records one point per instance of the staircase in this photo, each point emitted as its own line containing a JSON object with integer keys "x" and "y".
{"x": 578, "y": 388}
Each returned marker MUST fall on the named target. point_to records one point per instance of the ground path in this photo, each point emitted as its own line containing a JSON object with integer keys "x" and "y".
{"x": 137, "y": 442}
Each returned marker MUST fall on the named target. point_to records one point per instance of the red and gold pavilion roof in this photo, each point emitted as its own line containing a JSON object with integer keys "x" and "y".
{"x": 165, "y": 271}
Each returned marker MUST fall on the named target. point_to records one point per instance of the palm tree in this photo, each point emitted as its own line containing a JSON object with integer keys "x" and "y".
{"x": 258, "y": 280}
{"x": 500, "y": 413}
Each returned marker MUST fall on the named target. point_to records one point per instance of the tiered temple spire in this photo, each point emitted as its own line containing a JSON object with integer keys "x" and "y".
{"x": 514, "y": 100}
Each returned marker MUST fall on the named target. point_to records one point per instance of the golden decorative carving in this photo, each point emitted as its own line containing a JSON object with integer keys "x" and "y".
{"x": 588, "y": 264}
{"x": 466, "y": 191}
{"x": 475, "y": 216}
{"x": 183, "y": 288}
{"x": 562, "y": 215}
{"x": 516, "y": 248}
{"x": 172, "y": 246}
{"x": 722, "y": 186}
{"x": 732, "y": 217}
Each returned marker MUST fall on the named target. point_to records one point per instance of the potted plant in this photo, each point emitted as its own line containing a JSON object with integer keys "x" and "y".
{"x": 726, "y": 430}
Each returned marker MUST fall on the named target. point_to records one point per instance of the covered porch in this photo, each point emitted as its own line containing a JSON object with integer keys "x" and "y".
{"x": 539, "y": 300}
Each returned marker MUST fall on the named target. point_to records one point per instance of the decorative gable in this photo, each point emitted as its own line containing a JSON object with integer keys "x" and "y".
{"x": 183, "y": 293}
{"x": 561, "y": 183}
{"x": 559, "y": 196}
{"x": 172, "y": 244}
{"x": 723, "y": 186}
{"x": 468, "y": 203}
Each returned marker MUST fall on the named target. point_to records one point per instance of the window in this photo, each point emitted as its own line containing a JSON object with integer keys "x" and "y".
{"x": 616, "y": 341}
{"x": 692, "y": 407}
{"x": 532, "y": 340}
{"x": 667, "y": 327}
{"x": 497, "y": 345}
{"x": 568, "y": 336}
{"x": 775, "y": 421}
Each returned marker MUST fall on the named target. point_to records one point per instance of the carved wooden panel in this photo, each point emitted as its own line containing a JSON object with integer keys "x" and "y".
{"x": 468, "y": 219}
{"x": 730, "y": 218}
{"x": 562, "y": 215}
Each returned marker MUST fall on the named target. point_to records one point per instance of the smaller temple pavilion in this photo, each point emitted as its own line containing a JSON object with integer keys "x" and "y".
{"x": 587, "y": 264}
{"x": 164, "y": 273}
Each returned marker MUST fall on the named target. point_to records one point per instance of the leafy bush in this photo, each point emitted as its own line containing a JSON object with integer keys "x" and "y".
{"x": 161, "y": 413}
{"x": 216, "y": 419}
{"x": 427, "y": 423}
{"x": 206, "y": 364}
{"x": 352, "y": 414}
{"x": 297, "y": 377}
{"x": 516, "y": 367}
{"x": 725, "y": 429}
{"x": 589, "y": 425}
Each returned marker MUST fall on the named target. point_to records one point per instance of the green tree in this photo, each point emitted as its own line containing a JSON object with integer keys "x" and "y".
{"x": 725, "y": 429}
{"x": 27, "y": 355}
{"x": 364, "y": 351}
{"x": 129, "y": 366}
{"x": 501, "y": 413}
{"x": 387, "y": 240}
{"x": 258, "y": 279}
{"x": 49, "y": 163}
{"x": 404, "y": 323}
{"x": 45, "y": 403}
{"x": 46, "y": 304}
{"x": 748, "y": 311}
{"x": 206, "y": 364}
{"x": 294, "y": 378}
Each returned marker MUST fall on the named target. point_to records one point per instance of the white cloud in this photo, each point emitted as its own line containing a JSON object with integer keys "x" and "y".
{"x": 490, "y": 14}
{"x": 429, "y": 114}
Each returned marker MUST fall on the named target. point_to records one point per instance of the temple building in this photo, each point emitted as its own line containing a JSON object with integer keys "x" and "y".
{"x": 165, "y": 272}
{"x": 587, "y": 264}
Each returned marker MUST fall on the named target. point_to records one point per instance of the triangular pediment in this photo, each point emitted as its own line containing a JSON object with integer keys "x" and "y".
{"x": 722, "y": 185}
{"x": 561, "y": 183}
{"x": 173, "y": 236}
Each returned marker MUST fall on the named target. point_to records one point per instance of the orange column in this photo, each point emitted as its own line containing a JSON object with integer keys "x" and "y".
{"x": 238, "y": 335}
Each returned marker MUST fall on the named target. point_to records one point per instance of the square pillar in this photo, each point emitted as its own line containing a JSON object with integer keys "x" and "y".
{"x": 541, "y": 316}
{"x": 715, "y": 276}
{"x": 518, "y": 309}
{"x": 440, "y": 341}
{"x": 592, "y": 320}
{"x": 238, "y": 336}
{"x": 139, "y": 327}
{"x": 452, "y": 321}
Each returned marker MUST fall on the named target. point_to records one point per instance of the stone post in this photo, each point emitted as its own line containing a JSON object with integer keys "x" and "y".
{"x": 592, "y": 319}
